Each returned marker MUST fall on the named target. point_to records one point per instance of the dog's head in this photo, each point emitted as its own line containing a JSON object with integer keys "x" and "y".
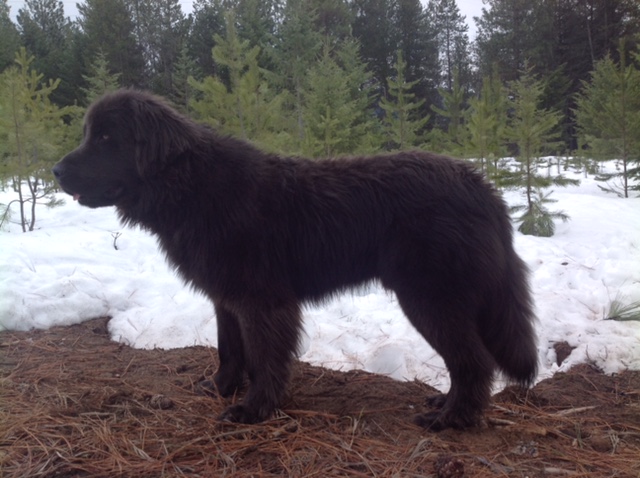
{"x": 129, "y": 137}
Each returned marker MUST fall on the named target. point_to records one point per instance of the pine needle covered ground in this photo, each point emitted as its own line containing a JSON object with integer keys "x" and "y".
{"x": 75, "y": 404}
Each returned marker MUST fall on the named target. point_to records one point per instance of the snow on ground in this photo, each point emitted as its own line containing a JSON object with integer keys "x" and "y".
{"x": 68, "y": 271}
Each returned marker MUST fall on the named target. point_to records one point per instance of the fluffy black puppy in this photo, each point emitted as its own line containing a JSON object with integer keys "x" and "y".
{"x": 261, "y": 234}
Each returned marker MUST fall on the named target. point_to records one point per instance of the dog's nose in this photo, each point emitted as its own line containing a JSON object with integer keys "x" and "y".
{"x": 58, "y": 170}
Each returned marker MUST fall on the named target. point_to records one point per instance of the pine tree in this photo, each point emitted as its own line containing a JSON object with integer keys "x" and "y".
{"x": 416, "y": 36}
{"x": 453, "y": 43}
{"x": 373, "y": 26}
{"x": 10, "y": 36}
{"x": 208, "y": 18}
{"x": 486, "y": 125}
{"x": 237, "y": 56}
{"x": 256, "y": 22}
{"x": 452, "y": 113}
{"x": 533, "y": 129}
{"x": 608, "y": 115}
{"x": 32, "y": 132}
{"x": 400, "y": 123}
{"x": 160, "y": 29}
{"x": 297, "y": 48}
{"x": 46, "y": 34}
{"x": 99, "y": 80}
{"x": 512, "y": 32}
{"x": 184, "y": 68}
{"x": 332, "y": 18}
{"x": 336, "y": 105}
{"x": 247, "y": 107}
{"x": 107, "y": 28}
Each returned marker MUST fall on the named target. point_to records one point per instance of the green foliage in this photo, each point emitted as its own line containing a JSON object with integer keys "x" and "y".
{"x": 33, "y": 133}
{"x": 453, "y": 43}
{"x": 256, "y": 23}
{"x": 374, "y": 25}
{"x": 402, "y": 125}
{"x": 181, "y": 91}
{"x": 621, "y": 310}
{"x": 453, "y": 114}
{"x": 511, "y": 32}
{"x": 608, "y": 116}
{"x": 99, "y": 80}
{"x": 336, "y": 114}
{"x": 536, "y": 219}
{"x": 10, "y": 36}
{"x": 289, "y": 75}
{"x": 247, "y": 107}
{"x": 297, "y": 49}
{"x": 160, "y": 29}
{"x": 486, "y": 125}
{"x": 107, "y": 28}
{"x": 208, "y": 17}
{"x": 46, "y": 33}
{"x": 532, "y": 129}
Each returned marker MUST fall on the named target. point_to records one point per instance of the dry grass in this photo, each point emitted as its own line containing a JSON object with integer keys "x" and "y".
{"x": 73, "y": 404}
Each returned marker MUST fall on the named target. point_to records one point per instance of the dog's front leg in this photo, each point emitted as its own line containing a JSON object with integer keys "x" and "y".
{"x": 270, "y": 336}
{"x": 229, "y": 376}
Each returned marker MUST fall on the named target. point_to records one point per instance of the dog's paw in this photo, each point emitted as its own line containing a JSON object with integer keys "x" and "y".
{"x": 240, "y": 414}
{"x": 437, "y": 401}
{"x": 227, "y": 383}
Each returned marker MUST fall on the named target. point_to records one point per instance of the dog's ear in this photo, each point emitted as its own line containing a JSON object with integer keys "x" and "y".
{"x": 161, "y": 134}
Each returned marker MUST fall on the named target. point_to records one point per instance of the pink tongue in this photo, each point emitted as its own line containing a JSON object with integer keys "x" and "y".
{"x": 75, "y": 197}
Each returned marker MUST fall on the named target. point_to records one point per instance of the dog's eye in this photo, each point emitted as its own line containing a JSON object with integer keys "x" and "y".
{"x": 104, "y": 137}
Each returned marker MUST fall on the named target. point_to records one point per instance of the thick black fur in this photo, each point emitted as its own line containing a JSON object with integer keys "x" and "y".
{"x": 261, "y": 235}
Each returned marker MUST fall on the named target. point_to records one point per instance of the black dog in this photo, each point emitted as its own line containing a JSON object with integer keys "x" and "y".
{"x": 262, "y": 234}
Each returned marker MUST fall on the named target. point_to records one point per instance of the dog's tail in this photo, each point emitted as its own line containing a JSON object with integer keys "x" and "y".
{"x": 508, "y": 330}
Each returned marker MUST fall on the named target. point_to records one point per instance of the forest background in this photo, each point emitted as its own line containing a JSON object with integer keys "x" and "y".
{"x": 328, "y": 77}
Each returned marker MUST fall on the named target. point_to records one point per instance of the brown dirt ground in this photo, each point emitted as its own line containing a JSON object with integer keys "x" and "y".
{"x": 75, "y": 404}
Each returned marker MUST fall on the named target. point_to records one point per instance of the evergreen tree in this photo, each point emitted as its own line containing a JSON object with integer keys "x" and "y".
{"x": 486, "y": 125}
{"x": 33, "y": 133}
{"x": 46, "y": 34}
{"x": 332, "y": 18}
{"x": 238, "y": 57}
{"x": 453, "y": 43}
{"x": 562, "y": 39}
{"x": 608, "y": 115}
{"x": 185, "y": 68}
{"x": 336, "y": 116}
{"x": 213, "y": 104}
{"x": 208, "y": 20}
{"x": 533, "y": 129}
{"x": 247, "y": 107}
{"x": 401, "y": 126}
{"x": 373, "y": 26}
{"x": 256, "y": 22}
{"x": 452, "y": 114}
{"x": 160, "y": 30}
{"x": 536, "y": 219}
{"x": 108, "y": 29}
{"x": 297, "y": 48}
{"x": 416, "y": 37}
{"x": 513, "y": 32}
{"x": 10, "y": 37}
{"x": 99, "y": 80}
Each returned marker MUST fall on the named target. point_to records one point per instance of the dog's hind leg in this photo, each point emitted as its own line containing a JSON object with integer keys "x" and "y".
{"x": 270, "y": 336}
{"x": 229, "y": 376}
{"x": 448, "y": 324}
